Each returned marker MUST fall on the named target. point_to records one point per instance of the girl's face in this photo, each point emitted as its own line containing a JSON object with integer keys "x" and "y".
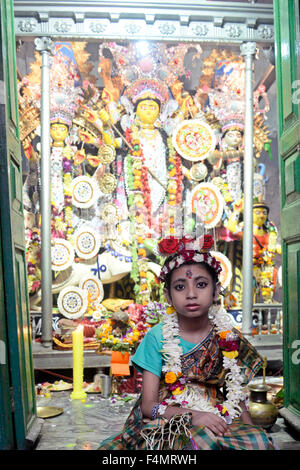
{"x": 191, "y": 290}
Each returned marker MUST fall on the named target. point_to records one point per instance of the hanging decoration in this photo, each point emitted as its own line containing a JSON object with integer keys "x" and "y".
{"x": 72, "y": 302}
{"x": 62, "y": 254}
{"x": 84, "y": 192}
{"x": 207, "y": 202}
{"x": 194, "y": 139}
{"x": 87, "y": 242}
{"x": 226, "y": 272}
{"x": 94, "y": 288}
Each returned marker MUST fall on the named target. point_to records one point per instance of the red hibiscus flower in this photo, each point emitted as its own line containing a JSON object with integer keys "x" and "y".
{"x": 168, "y": 246}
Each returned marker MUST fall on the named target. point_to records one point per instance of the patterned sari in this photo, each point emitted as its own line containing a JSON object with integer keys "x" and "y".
{"x": 202, "y": 365}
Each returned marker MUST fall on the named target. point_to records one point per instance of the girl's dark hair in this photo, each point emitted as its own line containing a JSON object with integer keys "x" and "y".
{"x": 208, "y": 268}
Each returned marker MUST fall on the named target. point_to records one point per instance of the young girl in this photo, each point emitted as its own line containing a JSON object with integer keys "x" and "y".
{"x": 194, "y": 365}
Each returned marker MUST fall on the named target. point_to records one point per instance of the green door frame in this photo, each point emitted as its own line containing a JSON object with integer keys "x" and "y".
{"x": 287, "y": 40}
{"x": 17, "y": 390}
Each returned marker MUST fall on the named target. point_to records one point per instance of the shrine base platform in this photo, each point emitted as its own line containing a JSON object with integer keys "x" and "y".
{"x": 49, "y": 358}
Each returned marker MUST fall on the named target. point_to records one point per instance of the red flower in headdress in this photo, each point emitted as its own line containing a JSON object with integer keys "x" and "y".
{"x": 168, "y": 246}
{"x": 208, "y": 242}
{"x": 188, "y": 255}
{"x": 186, "y": 240}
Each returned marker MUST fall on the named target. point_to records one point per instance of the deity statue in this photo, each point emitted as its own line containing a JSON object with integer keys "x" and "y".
{"x": 265, "y": 247}
{"x": 118, "y": 180}
{"x": 145, "y": 190}
{"x": 138, "y": 129}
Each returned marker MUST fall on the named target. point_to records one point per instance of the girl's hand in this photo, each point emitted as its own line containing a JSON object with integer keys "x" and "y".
{"x": 211, "y": 421}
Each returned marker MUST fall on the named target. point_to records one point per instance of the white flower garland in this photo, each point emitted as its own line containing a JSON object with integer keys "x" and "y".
{"x": 189, "y": 395}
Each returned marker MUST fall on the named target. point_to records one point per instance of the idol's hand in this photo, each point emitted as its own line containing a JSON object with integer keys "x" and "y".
{"x": 87, "y": 138}
{"x": 89, "y": 114}
{"x": 104, "y": 116}
{"x": 188, "y": 106}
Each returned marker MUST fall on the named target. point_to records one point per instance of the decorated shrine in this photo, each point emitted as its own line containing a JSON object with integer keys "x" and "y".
{"x": 129, "y": 132}
{"x": 146, "y": 141}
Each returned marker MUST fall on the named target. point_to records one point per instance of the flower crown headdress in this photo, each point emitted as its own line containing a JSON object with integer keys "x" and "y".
{"x": 184, "y": 250}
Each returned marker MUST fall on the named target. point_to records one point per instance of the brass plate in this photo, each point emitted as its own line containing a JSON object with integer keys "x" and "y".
{"x": 92, "y": 388}
{"x": 48, "y": 411}
{"x": 59, "y": 388}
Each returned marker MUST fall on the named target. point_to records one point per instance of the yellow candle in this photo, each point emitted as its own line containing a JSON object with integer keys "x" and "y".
{"x": 77, "y": 337}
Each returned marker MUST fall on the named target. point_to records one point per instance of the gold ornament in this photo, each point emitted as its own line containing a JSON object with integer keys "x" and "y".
{"x": 107, "y": 183}
{"x": 107, "y": 154}
{"x": 198, "y": 171}
{"x": 109, "y": 213}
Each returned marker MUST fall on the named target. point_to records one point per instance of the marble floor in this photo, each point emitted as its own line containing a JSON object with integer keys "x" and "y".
{"x": 84, "y": 424}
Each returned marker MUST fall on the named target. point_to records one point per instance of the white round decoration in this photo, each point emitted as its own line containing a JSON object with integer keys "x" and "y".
{"x": 226, "y": 273}
{"x": 194, "y": 139}
{"x": 84, "y": 192}
{"x": 72, "y": 302}
{"x": 62, "y": 255}
{"x": 207, "y": 202}
{"x": 87, "y": 242}
{"x": 94, "y": 288}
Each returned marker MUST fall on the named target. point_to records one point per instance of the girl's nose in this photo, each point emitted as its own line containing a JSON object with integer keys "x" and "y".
{"x": 191, "y": 292}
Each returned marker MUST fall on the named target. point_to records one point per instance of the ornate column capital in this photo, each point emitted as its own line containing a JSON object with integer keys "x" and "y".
{"x": 248, "y": 48}
{"x": 44, "y": 44}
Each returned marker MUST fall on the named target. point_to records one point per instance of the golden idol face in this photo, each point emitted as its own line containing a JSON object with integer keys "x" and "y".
{"x": 59, "y": 131}
{"x": 260, "y": 215}
{"x": 147, "y": 111}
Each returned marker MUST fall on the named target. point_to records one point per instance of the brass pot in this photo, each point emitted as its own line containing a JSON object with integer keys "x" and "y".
{"x": 263, "y": 412}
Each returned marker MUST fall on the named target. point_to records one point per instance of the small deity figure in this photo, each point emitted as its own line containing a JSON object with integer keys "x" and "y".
{"x": 61, "y": 178}
{"x": 265, "y": 247}
{"x": 227, "y": 161}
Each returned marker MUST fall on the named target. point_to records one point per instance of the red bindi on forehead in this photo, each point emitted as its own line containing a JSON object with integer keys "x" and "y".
{"x": 189, "y": 274}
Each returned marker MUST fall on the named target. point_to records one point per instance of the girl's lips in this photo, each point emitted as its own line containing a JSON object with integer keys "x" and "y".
{"x": 192, "y": 306}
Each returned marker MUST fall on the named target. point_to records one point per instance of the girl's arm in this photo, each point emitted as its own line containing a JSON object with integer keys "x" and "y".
{"x": 149, "y": 393}
{"x": 150, "y": 399}
{"x": 245, "y": 415}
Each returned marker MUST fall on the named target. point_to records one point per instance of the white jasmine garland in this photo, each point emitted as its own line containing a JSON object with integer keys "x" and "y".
{"x": 190, "y": 395}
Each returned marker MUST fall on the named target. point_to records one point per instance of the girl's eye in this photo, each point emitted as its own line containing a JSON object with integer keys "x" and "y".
{"x": 201, "y": 284}
{"x": 179, "y": 287}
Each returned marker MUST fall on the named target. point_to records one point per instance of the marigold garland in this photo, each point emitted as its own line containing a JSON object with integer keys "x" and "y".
{"x": 67, "y": 177}
{"x": 175, "y": 178}
{"x": 140, "y": 213}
